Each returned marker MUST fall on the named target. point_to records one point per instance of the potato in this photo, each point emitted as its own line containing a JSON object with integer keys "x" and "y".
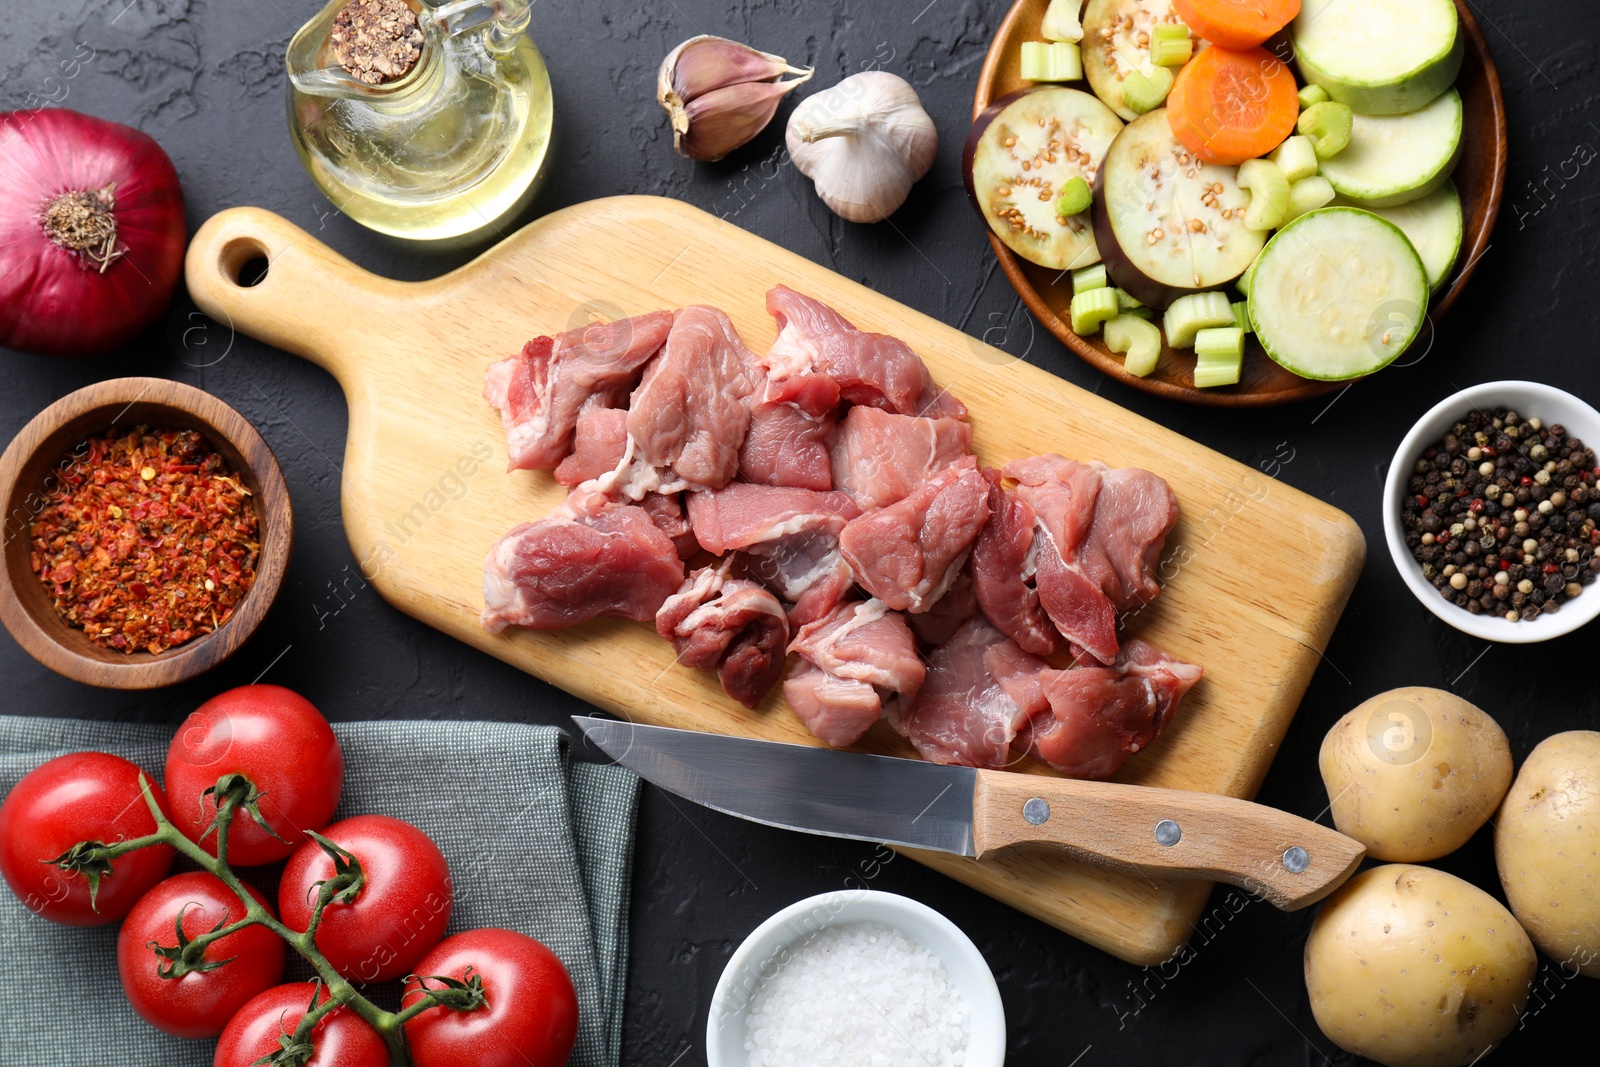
{"x": 1413, "y": 773}
{"x": 1411, "y": 966}
{"x": 1547, "y": 846}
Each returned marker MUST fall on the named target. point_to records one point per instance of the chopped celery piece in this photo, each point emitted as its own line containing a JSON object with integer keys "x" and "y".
{"x": 1220, "y": 342}
{"x": 1328, "y": 124}
{"x": 1269, "y": 194}
{"x": 1190, "y": 314}
{"x": 1296, "y": 158}
{"x": 1051, "y": 61}
{"x": 1138, "y": 339}
{"x": 1091, "y": 308}
{"x": 1061, "y": 21}
{"x": 1308, "y": 194}
{"x": 1312, "y": 95}
{"x": 1219, "y": 357}
{"x": 1243, "y": 284}
{"x": 1127, "y": 300}
{"x": 1089, "y": 278}
{"x": 1140, "y": 312}
{"x": 1170, "y": 45}
{"x": 1210, "y": 373}
{"x": 1241, "y": 315}
{"x": 1171, "y": 53}
{"x": 1075, "y": 198}
{"x": 1145, "y": 92}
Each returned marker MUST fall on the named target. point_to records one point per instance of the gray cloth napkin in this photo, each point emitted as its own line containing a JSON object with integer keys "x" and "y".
{"x": 536, "y": 843}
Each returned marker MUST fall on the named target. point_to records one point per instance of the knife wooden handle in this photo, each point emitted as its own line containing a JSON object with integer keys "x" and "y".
{"x": 1289, "y": 861}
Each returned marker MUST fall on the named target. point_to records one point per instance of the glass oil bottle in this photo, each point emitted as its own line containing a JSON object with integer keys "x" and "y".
{"x": 451, "y": 147}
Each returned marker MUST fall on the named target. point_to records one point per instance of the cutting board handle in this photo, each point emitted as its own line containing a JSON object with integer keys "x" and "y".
{"x": 334, "y": 302}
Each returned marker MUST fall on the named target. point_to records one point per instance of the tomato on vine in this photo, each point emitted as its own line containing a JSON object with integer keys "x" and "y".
{"x": 266, "y": 1025}
{"x": 274, "y": 753}
{"x": 177, "y": 977}
{"x": 51, "y": 823}
{"x": 382, "y": 925}
{"x": 520, "y": 1009}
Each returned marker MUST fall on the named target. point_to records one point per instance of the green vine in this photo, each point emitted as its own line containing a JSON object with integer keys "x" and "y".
{"x": 232, "y": 794}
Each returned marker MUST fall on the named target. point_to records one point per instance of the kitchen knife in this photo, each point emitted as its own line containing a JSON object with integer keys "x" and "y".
{"x": 1168, "y": 833}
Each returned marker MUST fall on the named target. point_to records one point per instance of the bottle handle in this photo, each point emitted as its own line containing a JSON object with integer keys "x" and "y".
{"x": 506, "y": 20}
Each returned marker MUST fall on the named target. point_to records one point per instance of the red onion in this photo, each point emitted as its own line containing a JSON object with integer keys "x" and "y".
{"x": 92, "y": 233}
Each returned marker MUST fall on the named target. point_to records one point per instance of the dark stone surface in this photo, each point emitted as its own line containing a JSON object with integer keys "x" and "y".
{"x": 206, "y": 80}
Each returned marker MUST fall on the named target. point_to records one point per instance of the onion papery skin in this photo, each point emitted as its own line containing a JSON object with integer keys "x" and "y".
{"x": 52, "y": 301}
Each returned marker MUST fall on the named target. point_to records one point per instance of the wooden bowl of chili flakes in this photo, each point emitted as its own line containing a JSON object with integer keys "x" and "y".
{"x": 147, "y": 529}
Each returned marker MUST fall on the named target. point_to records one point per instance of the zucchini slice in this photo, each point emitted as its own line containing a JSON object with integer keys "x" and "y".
{"x": 1166, "y": 223}
{"x": 1337, "y": 294}
{"x": 1112, "y": 47}
{"x": 1433, "y": 225}
{"x": 1380, "y": 57}
{"x": 1394, "y": 159}
{"x": 1021, "y": 153}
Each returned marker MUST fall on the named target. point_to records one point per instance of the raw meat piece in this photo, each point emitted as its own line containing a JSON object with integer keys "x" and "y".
{"x": 964, "y": 713}
{"x": 806, "y": 569}
{"x": 789, "y": 538}
{"x": 819, "y": 359}
{"x": 667, "y": 513}
{"x": 879, "y": 458}
{"x": 1003, "y": 568}
{"x": 565, "y": 571}
{"x": 732, "y": 626}
{"x": 1099, "y": 716}
{"x": 865, "y": 642}
{"x": 1062, "y": 494}
{"x": 909, "y": 553}
{"x": 598, "y": 446}
{"x": 1132, "y": 517}
{"x": 689, "y": 416}
{"x": 540, "y": 391}
{"x": 836, "y": 710}
{"x": 940, "y": 622}
{"x": 742, "y": 514}
{"x": 787, "y": 446}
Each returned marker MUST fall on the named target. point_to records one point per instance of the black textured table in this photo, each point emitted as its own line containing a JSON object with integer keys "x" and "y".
{"x": 206, "y": 79}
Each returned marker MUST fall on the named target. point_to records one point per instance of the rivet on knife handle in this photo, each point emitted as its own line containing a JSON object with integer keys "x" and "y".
{"x": 1289, "y": 861}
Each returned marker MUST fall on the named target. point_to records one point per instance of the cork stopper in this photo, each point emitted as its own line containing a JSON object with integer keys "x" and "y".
{"x": 377, "y": 41}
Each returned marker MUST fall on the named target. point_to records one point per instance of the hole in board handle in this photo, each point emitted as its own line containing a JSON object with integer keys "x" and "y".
{"x": 245, "y": 262}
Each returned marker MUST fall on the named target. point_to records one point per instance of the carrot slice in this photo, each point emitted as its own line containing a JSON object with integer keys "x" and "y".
{"x": 1236, "y": 23}
{"x": 1228, "y": 106}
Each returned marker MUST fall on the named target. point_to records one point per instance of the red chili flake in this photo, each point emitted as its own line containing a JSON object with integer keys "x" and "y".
{"x": 1550, "y": 568}
{"x": 1475, "y": 505}
{"x": 122, "y": 546}
{"x": 1422, "y": 501}
{"x": 1504, "y": 565}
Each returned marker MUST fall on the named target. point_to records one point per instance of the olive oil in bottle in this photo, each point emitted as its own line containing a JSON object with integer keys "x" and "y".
{"x": 421, "y": 120}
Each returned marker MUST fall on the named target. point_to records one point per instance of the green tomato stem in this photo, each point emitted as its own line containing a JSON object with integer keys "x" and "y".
{"x": 340, "y": 992}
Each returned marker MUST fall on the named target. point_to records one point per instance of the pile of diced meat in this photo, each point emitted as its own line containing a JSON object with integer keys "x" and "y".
{"x": 822, "y": 500}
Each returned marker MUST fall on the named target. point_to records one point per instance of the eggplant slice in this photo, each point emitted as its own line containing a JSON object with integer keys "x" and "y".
{"x": 1165, "y": 223}
{"x": 1021, "y": 152}
{"x": 1116, "y": 42}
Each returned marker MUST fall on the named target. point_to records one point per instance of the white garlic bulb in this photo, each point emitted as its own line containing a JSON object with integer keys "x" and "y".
{"x": 864, "y": 143}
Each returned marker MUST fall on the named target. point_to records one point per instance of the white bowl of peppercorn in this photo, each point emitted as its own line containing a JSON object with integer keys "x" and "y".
{"x": 1492, "y": 511}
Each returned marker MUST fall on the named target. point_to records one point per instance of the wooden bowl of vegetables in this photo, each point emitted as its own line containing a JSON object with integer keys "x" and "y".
{"x": 1114, "y": 148}
{"x": 147, "y": 531}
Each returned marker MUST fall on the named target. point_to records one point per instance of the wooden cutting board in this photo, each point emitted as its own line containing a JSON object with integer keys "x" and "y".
{"x": 1256, "y": 576}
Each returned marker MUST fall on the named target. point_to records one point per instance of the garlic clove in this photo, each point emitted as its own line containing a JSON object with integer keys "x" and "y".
{"x": 696, "y": 83}
{"x": 726, "y": 118}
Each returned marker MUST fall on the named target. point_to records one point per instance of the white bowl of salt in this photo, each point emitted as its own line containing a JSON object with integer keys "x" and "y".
{"x": 856, "y": 978}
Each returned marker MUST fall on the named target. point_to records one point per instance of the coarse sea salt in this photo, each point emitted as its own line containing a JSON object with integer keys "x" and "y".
{"x": 857, "y": 995}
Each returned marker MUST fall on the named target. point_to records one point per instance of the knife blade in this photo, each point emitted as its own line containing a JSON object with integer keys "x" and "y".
{"x": 1169, "y": 833}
